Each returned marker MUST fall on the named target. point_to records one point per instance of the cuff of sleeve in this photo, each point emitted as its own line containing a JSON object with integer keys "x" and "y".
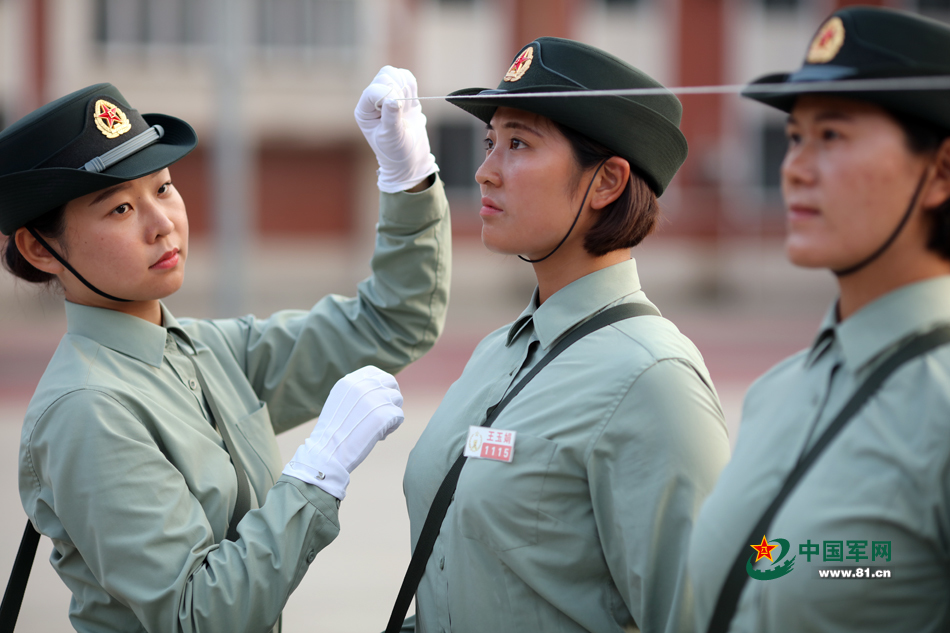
{"x": 405, "y": 209}
{"x": 330, "y": 476}
{"x": 323, "y": 501}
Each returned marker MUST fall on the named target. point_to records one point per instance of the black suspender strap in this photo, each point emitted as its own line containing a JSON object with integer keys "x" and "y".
{"x": 443, "y": 498}
{"x": 243, "y": 502}
{"x": 732, "y": 587}
{"x": 16, "y": 586}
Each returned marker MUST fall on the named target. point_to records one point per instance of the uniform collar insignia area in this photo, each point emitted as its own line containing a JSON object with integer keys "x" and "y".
{"x": 520, "y": 65}
{"x": 827, "y": 42}
{"x": 110, "y": 120}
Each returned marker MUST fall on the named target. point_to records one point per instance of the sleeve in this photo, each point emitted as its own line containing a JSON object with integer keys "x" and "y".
{"x": 657, "y": 458}
{"x": 143, "y": 536}
{"x": 293, "y": 358}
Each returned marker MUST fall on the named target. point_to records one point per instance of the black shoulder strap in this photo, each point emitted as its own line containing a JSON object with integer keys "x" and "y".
{"x": 16, "y": 586}
{"x": 735, "y": 581}
{"x": 443, "y": 498}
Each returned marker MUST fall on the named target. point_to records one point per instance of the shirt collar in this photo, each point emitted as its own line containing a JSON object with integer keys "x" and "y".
{"x": 576, "y": 302}
{"x": 124, "y": 333}
{"x": 877, "y": 326}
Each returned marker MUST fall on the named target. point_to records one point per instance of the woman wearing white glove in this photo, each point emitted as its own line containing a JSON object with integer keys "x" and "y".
{"x": 148, "y": 453}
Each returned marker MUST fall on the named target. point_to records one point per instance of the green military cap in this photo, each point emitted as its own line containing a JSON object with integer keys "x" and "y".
{"x": 81, "y": 143}
{"x": 858, "y": 43}
{"x": 644, "y": 129}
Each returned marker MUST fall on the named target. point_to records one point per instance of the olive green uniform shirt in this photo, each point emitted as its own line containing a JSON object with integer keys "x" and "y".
{"x": 122, "y": 469}
{"x": 618, "y": 441}
{"x": 885, "y": 479}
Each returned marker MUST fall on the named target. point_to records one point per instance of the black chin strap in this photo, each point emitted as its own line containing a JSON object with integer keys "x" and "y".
{"x": 70, "y": 268}
{"x": 900, "y": 227}
{"x": 573, "y": 224}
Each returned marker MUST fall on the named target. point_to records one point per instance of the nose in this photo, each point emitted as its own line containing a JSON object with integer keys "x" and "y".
{"x": 488, "y": 172}
{"x": 798, "y": 166}
{"x": 160, "y": 222}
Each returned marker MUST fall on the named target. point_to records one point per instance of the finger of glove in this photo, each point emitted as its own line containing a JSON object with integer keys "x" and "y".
{"x": 368, "y": 108}
{"x": 375, "y": 426}
{"x": 354, "y": 406}
{"x": 341, "y": 397}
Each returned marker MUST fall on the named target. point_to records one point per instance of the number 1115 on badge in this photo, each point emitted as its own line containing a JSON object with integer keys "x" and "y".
{"x": 487, "y": 443}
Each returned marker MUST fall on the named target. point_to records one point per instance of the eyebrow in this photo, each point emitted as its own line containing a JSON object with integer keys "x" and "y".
{"x": 825, "y": 115}
{"x": 105, "y": 193}
{"x": 516, "y": 125}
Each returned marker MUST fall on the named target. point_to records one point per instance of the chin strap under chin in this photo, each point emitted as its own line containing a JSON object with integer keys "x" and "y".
{"x": 70, "y": 268}
{"x": 900, "y": 227}
{"x": 573, "y": 224}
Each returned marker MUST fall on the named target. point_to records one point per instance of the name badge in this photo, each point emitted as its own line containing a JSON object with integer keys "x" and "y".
{"x": 488, "y": 443}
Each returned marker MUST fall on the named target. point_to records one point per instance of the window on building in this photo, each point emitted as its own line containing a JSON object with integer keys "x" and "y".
{"x": 459, "y": 151}
{"x": 278, "y": 24}
{"x": 773, "y": 146}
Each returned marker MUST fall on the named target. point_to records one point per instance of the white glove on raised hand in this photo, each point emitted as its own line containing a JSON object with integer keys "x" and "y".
{"x": 363, "y": 408}
{"x": 396, "y": 130}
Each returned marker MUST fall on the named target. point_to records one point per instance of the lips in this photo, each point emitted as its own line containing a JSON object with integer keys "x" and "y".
{"x": 168, "y": 260}
{"x": 489, "y": 207}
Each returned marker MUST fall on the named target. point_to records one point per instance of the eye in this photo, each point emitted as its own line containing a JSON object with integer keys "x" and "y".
{"x": 793, "y": 138}
{"x": 165, "y": 188}
{"x": 122, "y": 209}
{"x": 830, "y": 134}
{"x": 517, "y": 143}
{"x": 489, "y": 144}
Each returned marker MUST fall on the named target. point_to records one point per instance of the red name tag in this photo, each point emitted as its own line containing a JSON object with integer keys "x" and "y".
{"x": 488, "y": 443}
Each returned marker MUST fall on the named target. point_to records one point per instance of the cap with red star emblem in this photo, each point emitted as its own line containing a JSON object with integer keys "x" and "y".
{"x": 858, "y": 43}
{"x": 643, "y": 129}
{"x": 88, "y": 140}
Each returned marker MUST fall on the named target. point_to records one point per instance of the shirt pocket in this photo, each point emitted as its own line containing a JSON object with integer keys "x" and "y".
{"x": 259, "y": 434}
{"x": 498, "y": 503}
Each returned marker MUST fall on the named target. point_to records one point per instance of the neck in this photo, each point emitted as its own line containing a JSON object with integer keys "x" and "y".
{"x": 568, "y": 266}
{"x": 150, "y": 311}
{"x": 884, "y": 276}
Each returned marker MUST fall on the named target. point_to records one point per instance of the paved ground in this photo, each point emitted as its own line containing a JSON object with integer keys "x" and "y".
{"x": 742, "y": 305}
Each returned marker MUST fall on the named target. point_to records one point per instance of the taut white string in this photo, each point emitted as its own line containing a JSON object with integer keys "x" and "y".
{"x": 898, "y": 84}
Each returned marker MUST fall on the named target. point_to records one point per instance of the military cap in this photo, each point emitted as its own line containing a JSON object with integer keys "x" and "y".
{"x": 644, "y": 129}
{"x": 858, "y": 43}
{"x": 86, "y": 141}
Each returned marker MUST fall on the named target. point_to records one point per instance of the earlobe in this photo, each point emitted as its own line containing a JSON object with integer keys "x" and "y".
{"x": 35, "y": 253}
{"x": 612, "y": 180}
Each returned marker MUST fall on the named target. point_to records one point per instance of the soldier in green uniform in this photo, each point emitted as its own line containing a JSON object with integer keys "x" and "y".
{"x": 148, "y": 453}
{"x": 577, "y": 515}
{"x": 866, "y": 183}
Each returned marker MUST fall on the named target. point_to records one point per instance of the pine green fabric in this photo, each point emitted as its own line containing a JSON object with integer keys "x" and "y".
{"x": 885, "y": 478}
{"x": 618, "y": 441}
{"x": 120, "y": 465}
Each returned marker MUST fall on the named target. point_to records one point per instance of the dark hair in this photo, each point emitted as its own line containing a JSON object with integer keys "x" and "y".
{"x": 51, "y": 226}
{"x": 627, "y": 220}
{"x": 925, "y": 138}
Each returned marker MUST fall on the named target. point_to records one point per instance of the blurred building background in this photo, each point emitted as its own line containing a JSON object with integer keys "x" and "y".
{"x": 282, "y": 199}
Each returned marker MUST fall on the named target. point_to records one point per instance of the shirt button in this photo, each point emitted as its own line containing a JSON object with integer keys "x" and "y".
{"x": 310, "y": 556}
{"x": 193, "y": 384}
{"x": 442, "y": 563}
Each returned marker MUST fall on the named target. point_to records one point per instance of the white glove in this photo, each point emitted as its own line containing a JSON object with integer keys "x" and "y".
{"x": 396, "y": 130}
{"x": 363, "y": 408}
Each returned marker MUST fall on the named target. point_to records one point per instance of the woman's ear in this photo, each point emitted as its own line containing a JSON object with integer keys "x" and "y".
{"x": 610, "y": 182}
{"x": 35, "y": 253}
{"x": 939, "y": 190}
